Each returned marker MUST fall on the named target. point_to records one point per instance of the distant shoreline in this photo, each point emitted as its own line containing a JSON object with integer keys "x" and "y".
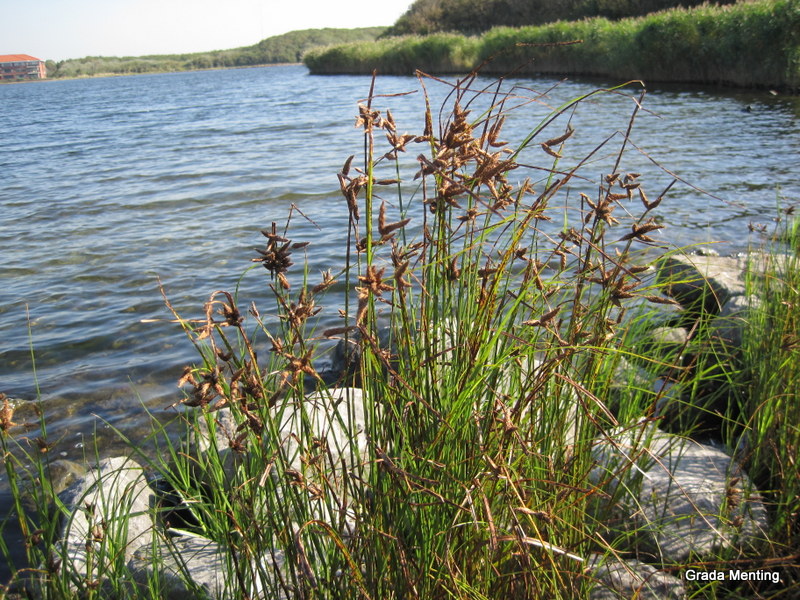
{"x": 101, "y": 75}
{"x": 288, "y": 48}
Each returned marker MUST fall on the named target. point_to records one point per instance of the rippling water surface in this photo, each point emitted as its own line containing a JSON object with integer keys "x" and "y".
{"x": 112, "y": 184}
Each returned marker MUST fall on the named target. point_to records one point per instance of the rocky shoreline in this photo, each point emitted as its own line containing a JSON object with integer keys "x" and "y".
{"x": 676, "y": 500}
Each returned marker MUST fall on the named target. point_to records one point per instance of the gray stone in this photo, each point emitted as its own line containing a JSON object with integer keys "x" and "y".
{"x": 729, "y": 325}
{"x": 706, "y": 251}
{"x": 336, "y": 417}
{"x": 62, "y": 473}
{"x": 667, "y": 395}
{"x": 711, "y": 281}
{"x": 321, "y": 440}
{"x": 705, "y": 282}
{"x": 214, "y": 432}
{"x": 188, "y": 567}
{"x": 680, "y": 497}
{"x": 758, "y": 264}
{"x": 324, "y": 442}
{"x": 110, "y": 515}
{"x": 629, "y": 377}
{"x": 619, "y": 579}
{"x": 344, "y": 363}
{"x": 669, "y": 336}
{"x": 343, "y": 366}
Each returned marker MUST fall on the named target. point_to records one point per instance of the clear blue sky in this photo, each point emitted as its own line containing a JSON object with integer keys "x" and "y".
{"x": 60, "y": 29}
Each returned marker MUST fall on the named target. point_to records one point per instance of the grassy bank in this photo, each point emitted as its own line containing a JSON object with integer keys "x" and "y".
{"x": 287, "y": 48}
{"x": 433, "y": 16}
{"x": 510, "y": 299}
{"x": 754, "y": 44}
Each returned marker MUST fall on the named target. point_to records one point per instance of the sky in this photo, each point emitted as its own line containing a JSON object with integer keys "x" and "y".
{"x": 61, "y": 29}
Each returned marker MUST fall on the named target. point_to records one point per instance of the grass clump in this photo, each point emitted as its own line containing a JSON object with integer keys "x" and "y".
{"x": 480, "y": 323}
{"x": 770, "y": 438}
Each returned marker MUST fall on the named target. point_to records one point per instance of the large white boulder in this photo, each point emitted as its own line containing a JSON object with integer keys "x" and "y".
{"x": 188, "y": 566}
{"x": 680, "y": 497}
{"x": 109, "y": 516}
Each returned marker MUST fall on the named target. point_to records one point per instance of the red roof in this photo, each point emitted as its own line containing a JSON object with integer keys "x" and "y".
{"x": 16, "y": 58}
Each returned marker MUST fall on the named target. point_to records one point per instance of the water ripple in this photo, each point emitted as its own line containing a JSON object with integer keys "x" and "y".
{"x": 112, "y": 185}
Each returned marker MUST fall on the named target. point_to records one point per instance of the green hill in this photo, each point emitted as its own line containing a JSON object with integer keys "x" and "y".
{"x": 470, "y": 17}
{"x": 287, "y": 48}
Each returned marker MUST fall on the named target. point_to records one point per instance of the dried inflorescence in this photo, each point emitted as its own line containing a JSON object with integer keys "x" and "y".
{"x": 232, "y": 374}
{"x": 463, "y": 164}
{"x": 276, "y": 257}
{"x": 6, "y": 414}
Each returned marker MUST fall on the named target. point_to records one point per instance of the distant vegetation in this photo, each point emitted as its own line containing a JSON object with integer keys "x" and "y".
{"x": 746, "y": 44}
{"x": 287, "y": 48}
{"x": 467, "y": 16}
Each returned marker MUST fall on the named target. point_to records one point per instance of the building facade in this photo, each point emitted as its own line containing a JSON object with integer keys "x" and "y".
{"x": 16, "y": 67}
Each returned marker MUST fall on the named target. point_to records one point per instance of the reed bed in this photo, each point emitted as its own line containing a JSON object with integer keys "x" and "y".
{"x": 492, "y": 306}
{"x": 749, "y": 44}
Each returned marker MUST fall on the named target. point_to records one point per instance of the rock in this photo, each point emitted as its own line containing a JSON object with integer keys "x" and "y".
{"x": 759, "y": 264}
{"x": 63, "y": 473}
{"x": 320, "y": 441}
{"x": 702, "y": 283}
{"x": 705, "y": 251}
{"x": 337, "y": 417}
{"x": 189, "y": 567}
{"x": 343, "y": 366}
{"x": 709, "y": 282}
{"x": 630, "y": 378}
{"x": 667, "y": 394}
{"x": 728, "y": 327}
{"x": 631, "y": 579}
{"x": 345, "y": 360}
{"x": 669, "y": 336}
{"x": 110, "y": 514}
{"x": 666, "y": 348}
{"x": 215, "y": 430}
{"x": 680, "y": 497}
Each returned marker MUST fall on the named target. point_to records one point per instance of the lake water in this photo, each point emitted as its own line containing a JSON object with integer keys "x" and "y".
{"x": 110, "y": 185}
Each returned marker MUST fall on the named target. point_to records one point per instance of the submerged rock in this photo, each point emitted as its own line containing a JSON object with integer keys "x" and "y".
{"x": 679, "y": 497}
{"x": 62, "y": 473}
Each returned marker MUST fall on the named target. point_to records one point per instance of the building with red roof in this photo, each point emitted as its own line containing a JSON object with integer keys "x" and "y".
{"x": 16, "y": 67}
